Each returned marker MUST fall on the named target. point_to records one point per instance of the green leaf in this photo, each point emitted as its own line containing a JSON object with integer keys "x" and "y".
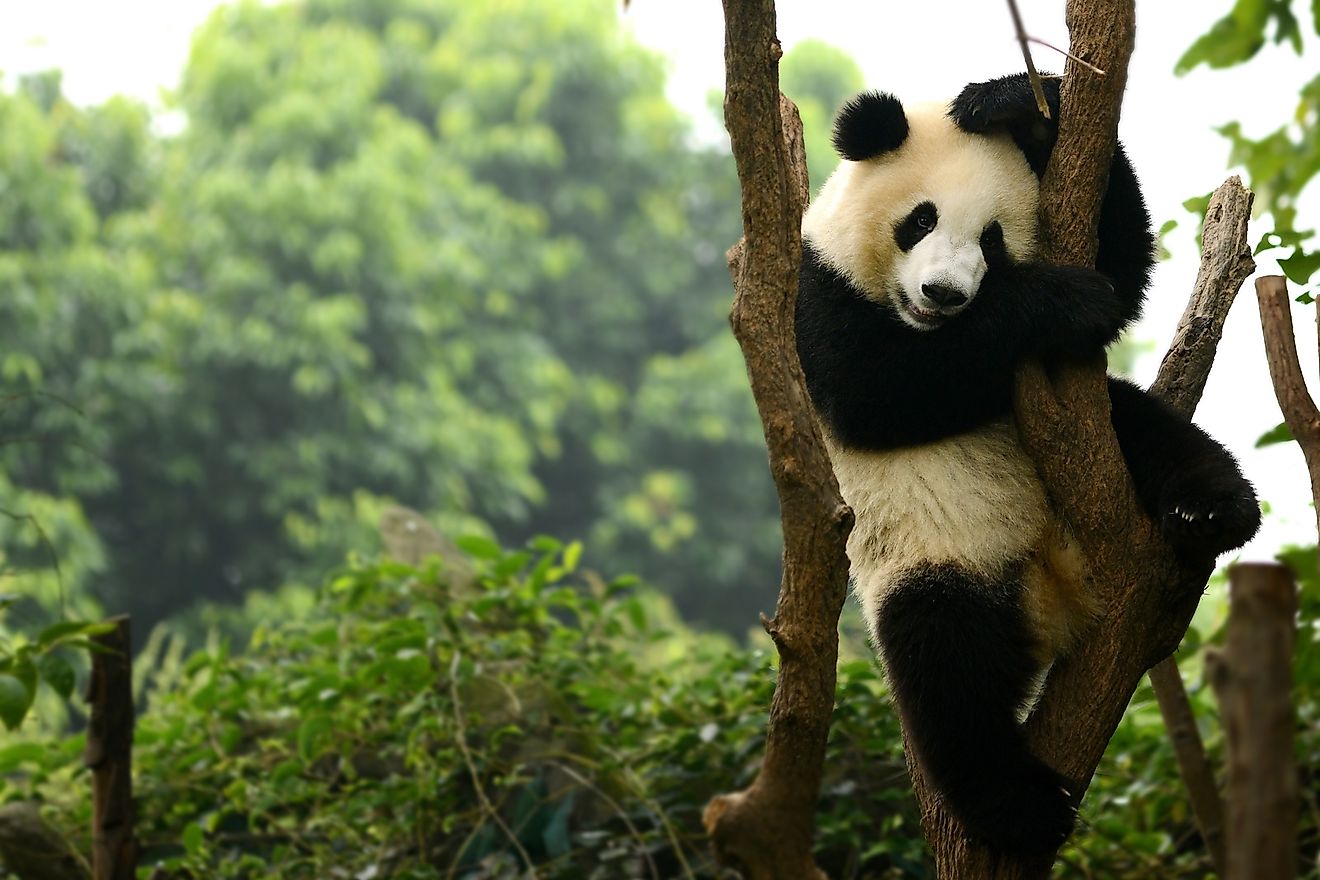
{"x": 1300, "y": 266}
{"x": 1238, "y": 36}
{"x": 572, "y": 553}
{"x": 478, "y": 547}
{"x": 24, "y": 753}
{"x": 192, "y": 838}
{"x": 555, "y": 836}
{"x": 1169, "y": 226}
{"x": 58, "y": 673}
{"x": 68, "y": 628}
{"x": 312, "y": 734}
{"x": 15, "y": 700}
{"x": 1280, "y": 433}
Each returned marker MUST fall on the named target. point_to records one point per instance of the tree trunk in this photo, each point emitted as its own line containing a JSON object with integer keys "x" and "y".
{"x": 766, "y": 831}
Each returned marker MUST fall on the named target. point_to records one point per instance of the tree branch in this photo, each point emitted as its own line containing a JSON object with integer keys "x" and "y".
{"x": 1299, "y": 410}
{"x": 1225, "y": 264}
{"x": 766, "y": 831}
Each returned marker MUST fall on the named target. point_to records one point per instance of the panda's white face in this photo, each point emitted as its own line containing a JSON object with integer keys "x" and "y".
{"x": 943, "y": 255}
{"x": 916, "y": 227}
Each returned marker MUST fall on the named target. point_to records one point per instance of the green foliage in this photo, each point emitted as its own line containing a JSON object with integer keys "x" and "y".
{"x": 406, "y": 725}
{"x": 1238, "y": 36}
{"x": 29, "y": 662}
{"x": 427, "y": 251}
{"x": 1281, "y": 164}
{"x": 413, "y": 730}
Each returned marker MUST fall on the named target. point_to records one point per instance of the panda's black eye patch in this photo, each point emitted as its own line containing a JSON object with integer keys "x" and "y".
{"x": 992, "y": 244}
{"x": 916, "y": 225}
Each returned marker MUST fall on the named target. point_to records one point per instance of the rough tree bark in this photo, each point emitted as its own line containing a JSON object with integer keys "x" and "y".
{"x": 766, "y": 830}
{"x": 1252, "y": 677}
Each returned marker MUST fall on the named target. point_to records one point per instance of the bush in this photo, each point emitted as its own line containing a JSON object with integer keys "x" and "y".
{"x": 465, "y": 721}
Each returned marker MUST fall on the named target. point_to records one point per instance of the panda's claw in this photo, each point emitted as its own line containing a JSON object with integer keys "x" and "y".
{"x": 1212, "y": 524}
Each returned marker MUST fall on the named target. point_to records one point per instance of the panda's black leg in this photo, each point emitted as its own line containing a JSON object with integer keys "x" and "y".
{"x": 959, "y": 660}
{"x": 1189, "y": 484}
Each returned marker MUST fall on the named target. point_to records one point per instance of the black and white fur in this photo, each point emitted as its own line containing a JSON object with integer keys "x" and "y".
{"x": 919, "y": 295}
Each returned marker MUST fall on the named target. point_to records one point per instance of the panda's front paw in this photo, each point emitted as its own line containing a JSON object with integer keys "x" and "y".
{"x": 975, "y": 108}
{"x": 1209, "y": 524}
{"x": 1096, "y": 314}
{"x": 983, "y": 106}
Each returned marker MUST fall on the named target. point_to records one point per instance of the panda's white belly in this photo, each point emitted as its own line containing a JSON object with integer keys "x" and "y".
{"x": 973, "y": 501}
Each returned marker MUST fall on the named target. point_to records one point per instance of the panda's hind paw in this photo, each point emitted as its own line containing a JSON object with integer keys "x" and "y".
{"x": 1029, "y": 812}
{"x": 1211, "y": 524}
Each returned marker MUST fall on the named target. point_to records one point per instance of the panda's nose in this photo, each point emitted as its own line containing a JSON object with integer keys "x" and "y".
{"x": 944, "y": 297}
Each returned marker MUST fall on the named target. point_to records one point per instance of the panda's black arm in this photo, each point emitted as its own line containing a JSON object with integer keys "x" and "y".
{"x": 878, "y": 384}
{"x": 1127, "y": 242}
{"x": 1036, "y": 310}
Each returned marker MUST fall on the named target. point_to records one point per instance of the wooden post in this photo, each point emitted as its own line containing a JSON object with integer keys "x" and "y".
{"x": 109, "y": 754}
{"x": 1252, "y": 677}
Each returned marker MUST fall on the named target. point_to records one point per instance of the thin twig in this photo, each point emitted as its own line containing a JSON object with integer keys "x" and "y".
{"x": 614, "y": 805}
{"x": 50, "y": 550}
{"x": 1048, "y": 45}
{"x": 1036, "y": 88}
{"x": 460, "y": 737}
{"x": 23, "y": 395}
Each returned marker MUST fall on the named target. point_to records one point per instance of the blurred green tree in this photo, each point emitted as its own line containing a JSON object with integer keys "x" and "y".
{"x": 460, "y": 256}
{"x": 819, "y": 78}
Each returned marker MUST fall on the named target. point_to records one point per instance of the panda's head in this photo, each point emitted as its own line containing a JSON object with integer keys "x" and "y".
{"x": 918, "y": 209}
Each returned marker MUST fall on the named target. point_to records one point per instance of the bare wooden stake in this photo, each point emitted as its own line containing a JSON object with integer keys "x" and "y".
{"x": 1252, "y": 677}
{"x": 109, "y": 754}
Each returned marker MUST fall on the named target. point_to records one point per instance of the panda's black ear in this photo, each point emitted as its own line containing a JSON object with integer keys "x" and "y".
{"x": 870, "y": 124}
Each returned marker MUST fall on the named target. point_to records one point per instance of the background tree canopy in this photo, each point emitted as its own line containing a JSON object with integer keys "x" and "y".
{"x": 464, "y": 257}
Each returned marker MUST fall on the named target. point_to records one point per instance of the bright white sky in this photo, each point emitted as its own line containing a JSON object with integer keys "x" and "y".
{"x": 919, "y": 51}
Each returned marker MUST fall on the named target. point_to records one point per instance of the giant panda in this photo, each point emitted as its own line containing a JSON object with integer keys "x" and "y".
{"x": 919, "y": 294}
